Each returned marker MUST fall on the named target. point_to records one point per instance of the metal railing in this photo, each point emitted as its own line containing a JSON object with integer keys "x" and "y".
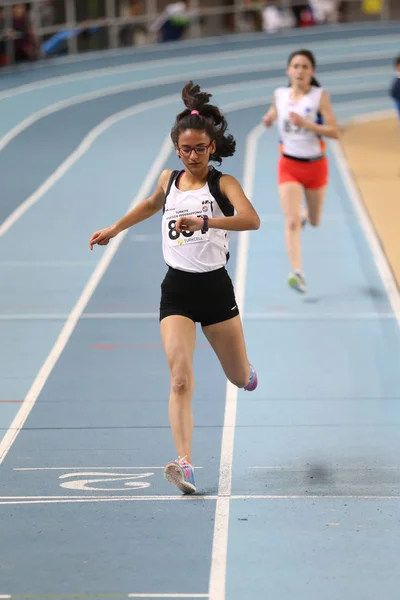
{"x": 113, "y": 23}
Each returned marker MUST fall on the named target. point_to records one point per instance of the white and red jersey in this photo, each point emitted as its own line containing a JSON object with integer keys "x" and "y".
{"x": 297, "y": 141}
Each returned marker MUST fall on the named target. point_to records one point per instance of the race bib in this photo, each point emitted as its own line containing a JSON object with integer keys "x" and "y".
{"x": 291, "y": 129}
{"x": 176, "y": 238}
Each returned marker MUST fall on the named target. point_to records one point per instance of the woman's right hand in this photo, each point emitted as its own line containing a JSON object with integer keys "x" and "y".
{"x": 268, "y": 120}
{"x": 102, "y": 237}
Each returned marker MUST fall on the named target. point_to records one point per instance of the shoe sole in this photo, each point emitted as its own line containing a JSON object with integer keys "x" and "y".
{"x": 173, "y": 474}
{"x": 253, "y": 384}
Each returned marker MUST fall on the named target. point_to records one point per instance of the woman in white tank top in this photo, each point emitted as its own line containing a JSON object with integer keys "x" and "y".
{"x": 304, "y": 114}
{"x": 201, "y": 206}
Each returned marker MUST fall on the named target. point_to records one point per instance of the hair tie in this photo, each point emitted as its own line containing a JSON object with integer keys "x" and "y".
{"x": 195, "y": 112}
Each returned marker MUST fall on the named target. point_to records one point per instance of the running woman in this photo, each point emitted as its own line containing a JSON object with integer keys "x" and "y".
{"x": 305, "y": 116}
{"x": 201, "y": 206}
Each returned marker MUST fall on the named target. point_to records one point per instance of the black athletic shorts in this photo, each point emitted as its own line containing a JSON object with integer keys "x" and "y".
{"x": 206, "y": 298}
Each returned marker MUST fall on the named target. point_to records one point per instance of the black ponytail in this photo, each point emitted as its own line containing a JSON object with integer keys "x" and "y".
{"x": 206, "y": 117}
{"x": 310, "y": 57}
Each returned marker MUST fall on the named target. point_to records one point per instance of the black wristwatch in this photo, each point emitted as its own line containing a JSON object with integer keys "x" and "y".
{"x": 205, "y": 224}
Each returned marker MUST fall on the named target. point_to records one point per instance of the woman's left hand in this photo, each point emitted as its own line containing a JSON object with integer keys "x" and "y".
{"x": 189, "y": 224}
{"x": 296, "y": 119}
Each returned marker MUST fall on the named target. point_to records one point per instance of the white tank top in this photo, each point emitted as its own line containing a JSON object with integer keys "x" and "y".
{"x": 296, "y": 141}
{"x": 195, "y": 252}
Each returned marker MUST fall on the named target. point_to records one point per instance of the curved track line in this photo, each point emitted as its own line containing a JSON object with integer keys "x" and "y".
{"x": 78, "y": 309}
{"x": 180, "y": 62}
{"x": 217, "y": 41}
{"x": 104, "y": 92}
{"x": 85, "y": 145}
{"x": 75, "y": 156}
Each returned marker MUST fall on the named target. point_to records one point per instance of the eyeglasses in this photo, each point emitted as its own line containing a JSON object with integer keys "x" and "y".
{"x": 187, "y": 150}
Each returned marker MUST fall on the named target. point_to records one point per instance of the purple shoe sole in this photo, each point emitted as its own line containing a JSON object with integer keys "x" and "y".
{"x": 251, "y": 386}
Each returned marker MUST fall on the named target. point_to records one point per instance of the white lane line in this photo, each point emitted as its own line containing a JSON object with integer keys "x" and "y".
{"x": 367, "y": 227}
{"x": 323, "y": 316}
{"x": 330, "y": 468}
{"x": 97, "y": 500}
{"x": 84, "y": 468}
{"x": 260, "y": 316}
{"x": 221, "y": 527}
{"x": 86, "y": 144}
{"x": 104, "y": 125}
{"x": 79, "y": 308}
{"x": 264, "y": 316}
{"x": 83, "y": 147}
{"x": 104, "y": 497}
{"x": 193, "y": 60}
{"x": 316, "y": 497}
{"x": 39, "y": 500}
{"x": 236, "y": 70}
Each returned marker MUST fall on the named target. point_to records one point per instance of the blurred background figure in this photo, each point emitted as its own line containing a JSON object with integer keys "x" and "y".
{"x": 395, "y": 89}
{"x": 21, "y": 33}
{"x": 325, "y": 11}
{"x": 3, "y": 38}
{"x": 40, "y": 28}
{"x": 276, "y": 17}
{"x": 316, "y": 12}
{"x": 173, "y": 22}
{"x": 132, "y": 34}
{"x": 303, "y": 14}
{"x": 43, "y": 13}
{"x": 57, "y": 45}
{"x": 25, "y": 46}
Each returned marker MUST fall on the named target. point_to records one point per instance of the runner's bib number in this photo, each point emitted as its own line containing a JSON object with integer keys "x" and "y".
{"x": 291, "y": 129}
{"x": 176, "y": 238}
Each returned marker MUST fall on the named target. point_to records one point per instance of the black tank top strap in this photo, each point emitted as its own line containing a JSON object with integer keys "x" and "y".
{"x": 223, "y": 202}
{"x": 172, "y": 179}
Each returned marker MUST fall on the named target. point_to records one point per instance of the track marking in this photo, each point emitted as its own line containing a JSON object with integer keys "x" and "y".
{"x": 78, "y": 309}
{"x": 183, "y": 61}
{"x": 112, "y": 90}
{"x": 367, "y": 227}
{"x": 221, "y": 528}
{"x": 87, "y": 142}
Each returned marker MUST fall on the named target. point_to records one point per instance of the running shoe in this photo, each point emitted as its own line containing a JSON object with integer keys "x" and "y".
{"x": 253, "y": 381}
{"x": 297, "y": 282}
{"x": 181, "y": 473}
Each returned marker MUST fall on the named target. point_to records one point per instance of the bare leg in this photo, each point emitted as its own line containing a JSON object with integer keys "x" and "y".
{"x": 227, "y": 341}
{"x": 291, "y": 196}
{"x": 315, "y": 203}
{"x": 179, "y": 338}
